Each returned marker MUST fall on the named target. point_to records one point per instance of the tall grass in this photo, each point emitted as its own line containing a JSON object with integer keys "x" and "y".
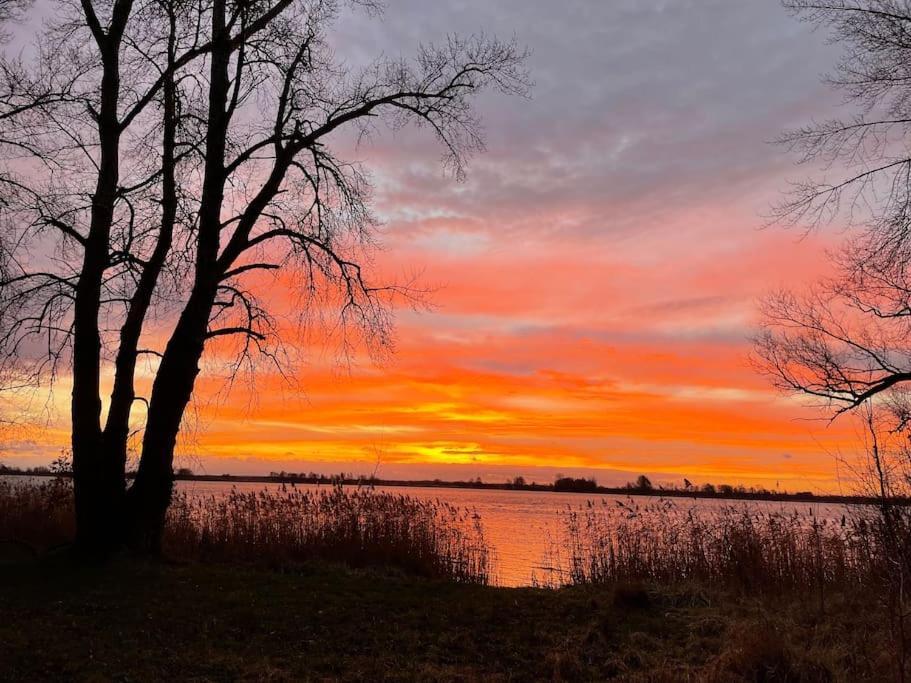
{"x": 864, "y": 555}
{"x": 741, "y": 547}
{"x": 358, "y": 527}
{"x": 36, "y": 516}
{"x": 283, "y": 527}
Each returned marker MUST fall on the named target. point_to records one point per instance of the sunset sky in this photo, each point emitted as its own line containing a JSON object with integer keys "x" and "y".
{"x": 595, "y": 278}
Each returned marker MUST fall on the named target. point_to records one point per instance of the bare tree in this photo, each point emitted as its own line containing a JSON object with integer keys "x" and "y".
{"x": 848, "y": 340}
{"x": 210, "y": 158}
{"x": 864, "y": 158}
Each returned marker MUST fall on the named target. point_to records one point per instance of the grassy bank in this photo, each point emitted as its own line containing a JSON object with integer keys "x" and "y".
{"x": 130, "y": 621}
{"x": 365, "y": 585}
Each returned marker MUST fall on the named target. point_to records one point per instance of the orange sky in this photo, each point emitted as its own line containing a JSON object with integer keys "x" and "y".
{"x": 573, "y": 362}
{"x": 595, "y": 279}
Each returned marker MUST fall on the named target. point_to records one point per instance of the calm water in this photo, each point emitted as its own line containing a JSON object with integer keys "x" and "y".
{"x": 520, "y": 526}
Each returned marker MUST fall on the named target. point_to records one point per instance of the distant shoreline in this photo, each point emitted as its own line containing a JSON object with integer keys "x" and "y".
{"x": 655, "y": 492}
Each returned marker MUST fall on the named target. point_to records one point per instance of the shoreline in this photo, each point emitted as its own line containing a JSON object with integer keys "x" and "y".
{"x": 798, "y": 497}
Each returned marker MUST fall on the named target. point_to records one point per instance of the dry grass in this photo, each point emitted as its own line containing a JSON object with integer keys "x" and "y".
{"x": 277, "y": 528}
{"x": 784, "y": 558}
{"x": 357, "y": 527}
{"x": 35, "y": 516}
{"x": 202, "y": 621}
{"x": 737, "y": 546}
{"x": 667, "y": 603}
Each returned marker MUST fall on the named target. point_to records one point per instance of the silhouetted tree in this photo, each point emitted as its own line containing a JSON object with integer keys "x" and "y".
{"x": 575, "y": 484}
{"x": 161, "y": 157}
{"x": 867, "y": 153}
{"x": 847, "y": 339}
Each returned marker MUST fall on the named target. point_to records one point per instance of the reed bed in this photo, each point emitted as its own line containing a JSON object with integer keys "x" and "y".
{"x": 738, "y": 546}
{"x": 275, "y": 527}
{"x": 35, "y": 516}
{"x": 357, "y": 527}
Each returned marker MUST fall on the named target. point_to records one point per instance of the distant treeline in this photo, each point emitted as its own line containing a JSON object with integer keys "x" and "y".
{"x": 642, "y": 486}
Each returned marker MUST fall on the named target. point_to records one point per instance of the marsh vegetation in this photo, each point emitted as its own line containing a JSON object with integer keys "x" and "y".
{"x": 350, "y": 584}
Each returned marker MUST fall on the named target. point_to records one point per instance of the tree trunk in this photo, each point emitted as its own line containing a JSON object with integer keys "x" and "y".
{"x": 92, "y": 494}
{"x": 98, "y": 487}
{"x": 150, "y": 495}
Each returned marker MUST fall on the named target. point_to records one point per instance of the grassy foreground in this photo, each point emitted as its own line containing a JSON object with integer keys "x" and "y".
{"x": 135, "y": 621}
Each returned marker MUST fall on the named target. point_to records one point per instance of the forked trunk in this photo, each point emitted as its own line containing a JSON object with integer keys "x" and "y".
{"x": 143, "y": 502}
{"x": 150, "y": 494}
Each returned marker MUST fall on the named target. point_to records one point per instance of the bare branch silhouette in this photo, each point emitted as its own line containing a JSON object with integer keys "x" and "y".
{"x": 165, "y": 166}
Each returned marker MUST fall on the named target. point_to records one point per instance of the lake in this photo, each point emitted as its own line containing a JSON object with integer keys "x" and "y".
{"x": 522, "y": 527}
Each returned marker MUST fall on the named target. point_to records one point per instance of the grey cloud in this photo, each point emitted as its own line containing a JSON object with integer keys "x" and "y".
{"x": 633, "y": 101}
